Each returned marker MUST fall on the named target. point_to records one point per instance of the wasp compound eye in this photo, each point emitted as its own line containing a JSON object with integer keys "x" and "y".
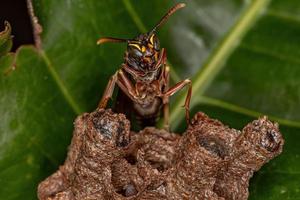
{"x": 154, "y": 42}
{"x": 134, "y": 51}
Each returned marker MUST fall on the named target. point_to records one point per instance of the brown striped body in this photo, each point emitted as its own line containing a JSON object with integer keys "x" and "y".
{"x": 144, "y": 78}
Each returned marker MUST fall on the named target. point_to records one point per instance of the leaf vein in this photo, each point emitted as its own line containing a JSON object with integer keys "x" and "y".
{"x": 269, "y": 52}
{"x": 133, "y": 14}
{"x": 61, "y": 85}
{"x": 245, "y": 111}
{"x": 283, "y": 15}
{"x": 215, "y": 63}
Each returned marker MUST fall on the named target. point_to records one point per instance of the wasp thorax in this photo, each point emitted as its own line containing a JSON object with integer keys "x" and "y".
{"x": 143, "y": 52}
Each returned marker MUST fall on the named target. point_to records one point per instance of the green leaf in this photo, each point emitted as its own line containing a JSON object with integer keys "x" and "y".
{"x": 248, "y": 50}
{"x": 36, "y": 124}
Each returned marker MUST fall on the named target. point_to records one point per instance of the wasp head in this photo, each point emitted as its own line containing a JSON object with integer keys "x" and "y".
{"x": 144, "y": 57}
{"x": 143, "y": 52}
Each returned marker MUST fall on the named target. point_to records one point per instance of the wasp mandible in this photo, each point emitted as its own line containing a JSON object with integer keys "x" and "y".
{"x": 144, "y": 76}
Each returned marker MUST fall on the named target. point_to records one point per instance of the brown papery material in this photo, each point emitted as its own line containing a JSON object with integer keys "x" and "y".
{"x": 209, "y": 161}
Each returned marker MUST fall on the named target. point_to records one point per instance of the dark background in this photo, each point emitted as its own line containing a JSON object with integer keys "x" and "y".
{"x": 16, "y": 13}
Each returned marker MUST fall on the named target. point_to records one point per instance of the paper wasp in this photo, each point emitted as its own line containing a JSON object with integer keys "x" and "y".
{"x": 144, "y": 77}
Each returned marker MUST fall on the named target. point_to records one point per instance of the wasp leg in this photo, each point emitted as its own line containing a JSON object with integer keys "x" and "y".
{"x": 108, "y": 91}
{"x": 178, "y": 87}
{"x": 166, "y": 77}
{"x": 126, "y": 86}
{"x": 123, "y": 82}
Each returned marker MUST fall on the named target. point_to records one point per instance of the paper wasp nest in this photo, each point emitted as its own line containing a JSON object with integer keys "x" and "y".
{"x": 209, "y": 161}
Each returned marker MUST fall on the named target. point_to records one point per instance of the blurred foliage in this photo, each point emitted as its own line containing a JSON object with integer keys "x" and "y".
{"x": 241, "y": 55}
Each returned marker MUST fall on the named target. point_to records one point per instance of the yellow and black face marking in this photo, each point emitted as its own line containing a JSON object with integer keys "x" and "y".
{"x": 151, "y": 39}
{"x": 135, "y": 45}
{"x": 142, "y": 52}
{"x": 142, "y": 48}
{"x": 154, "y": 42}
{"x": 143, "y": 43}
{"x": 134, "y": 50}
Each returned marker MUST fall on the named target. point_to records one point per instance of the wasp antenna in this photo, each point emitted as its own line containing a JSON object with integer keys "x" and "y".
{"x": 166, "y": 16}
{"x": 110, "y": 39}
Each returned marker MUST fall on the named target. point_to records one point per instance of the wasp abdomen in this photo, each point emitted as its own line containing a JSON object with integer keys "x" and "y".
{"x": 147, "y": 114}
